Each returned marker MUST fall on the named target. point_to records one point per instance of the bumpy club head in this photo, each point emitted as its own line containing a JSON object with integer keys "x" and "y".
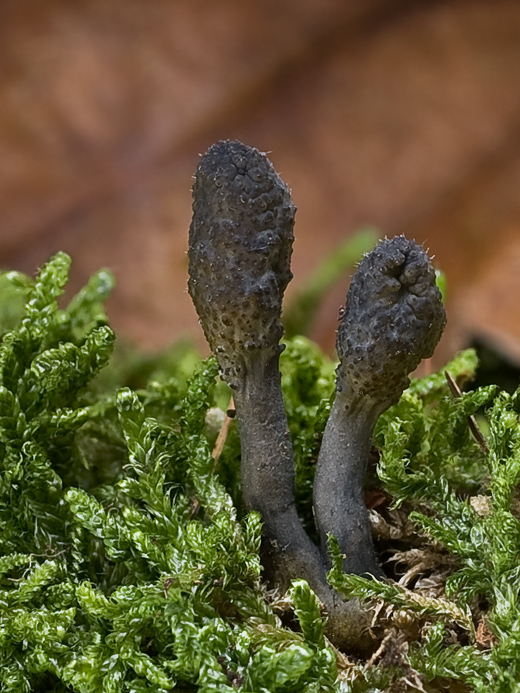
{"x": 240, "y": 245}
{"x": 393, "y": 319}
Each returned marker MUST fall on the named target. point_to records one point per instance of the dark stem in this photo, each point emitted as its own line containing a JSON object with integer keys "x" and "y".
{"x": 268, "y": 474}
{"x": 339, "y": 506}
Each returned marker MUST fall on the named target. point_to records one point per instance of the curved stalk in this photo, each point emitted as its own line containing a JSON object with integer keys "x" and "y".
{"x": 267, "y": 472}
{"x": 338, "y": 485}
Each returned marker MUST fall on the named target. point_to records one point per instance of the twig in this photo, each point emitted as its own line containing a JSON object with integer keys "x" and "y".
{"x": 223, "y": 433}
{"x": 217, "y": 448}
{"x": 472, "y": 422}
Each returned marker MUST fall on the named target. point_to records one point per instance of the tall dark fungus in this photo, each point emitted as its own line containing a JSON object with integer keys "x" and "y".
{"x": 240, "y": 247}
{"x": 239, "y": 263}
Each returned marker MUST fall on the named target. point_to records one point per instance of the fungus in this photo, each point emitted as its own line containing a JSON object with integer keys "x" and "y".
{"x": 240, "y": 245}
{"x": 392, "y": 320}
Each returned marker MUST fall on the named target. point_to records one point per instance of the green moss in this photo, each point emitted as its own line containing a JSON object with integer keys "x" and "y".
{"x": 126, "y": 563}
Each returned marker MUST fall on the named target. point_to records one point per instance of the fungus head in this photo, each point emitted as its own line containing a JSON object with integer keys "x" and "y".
{"x": 240, "y": 245}
{"x": 393, "y": 319}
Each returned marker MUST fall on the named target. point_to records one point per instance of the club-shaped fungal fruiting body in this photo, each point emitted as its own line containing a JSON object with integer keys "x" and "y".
{"x": 240, "y": 246}
{"x": 393, "y": 319}
{"x": 239, "y": 263}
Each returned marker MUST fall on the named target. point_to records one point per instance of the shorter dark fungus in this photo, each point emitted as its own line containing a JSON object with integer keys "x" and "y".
{"x": 393, "y": 319}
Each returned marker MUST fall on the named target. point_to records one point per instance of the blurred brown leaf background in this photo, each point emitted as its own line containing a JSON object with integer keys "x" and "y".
{"x": 404, "y": 115}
